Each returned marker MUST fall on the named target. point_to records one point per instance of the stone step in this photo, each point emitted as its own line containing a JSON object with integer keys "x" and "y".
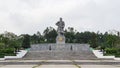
{"x": 60, "y": 52}
{"x": 50, "y": 55}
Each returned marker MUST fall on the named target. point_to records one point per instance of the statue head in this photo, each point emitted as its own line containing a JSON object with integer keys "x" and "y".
{"x": 60, "y": 19}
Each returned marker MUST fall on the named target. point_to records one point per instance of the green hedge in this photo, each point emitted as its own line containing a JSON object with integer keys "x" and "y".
{"x": 7, "y": 52}
{"x": 118, "y": 53}
{"x": 1, "y": 55}
{"x": 112, "y": 51}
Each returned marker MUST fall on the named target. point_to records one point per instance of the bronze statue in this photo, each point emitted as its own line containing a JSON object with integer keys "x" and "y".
{"x": 60, "y": 39}
{"x": 61, "y": 26}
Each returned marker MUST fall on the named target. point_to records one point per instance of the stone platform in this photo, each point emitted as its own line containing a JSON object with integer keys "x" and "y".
{"x": 60, "y": 52}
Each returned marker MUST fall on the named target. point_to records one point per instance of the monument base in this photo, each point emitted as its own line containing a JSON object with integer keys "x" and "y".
{"x": 60, "y": 52}
{"x": 60, "y": 39}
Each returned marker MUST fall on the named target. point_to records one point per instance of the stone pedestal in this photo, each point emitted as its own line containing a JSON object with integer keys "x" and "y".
{"x": 60, "y": 39}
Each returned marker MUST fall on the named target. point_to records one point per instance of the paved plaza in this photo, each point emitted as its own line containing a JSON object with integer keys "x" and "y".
{"x": 60, "y": 64}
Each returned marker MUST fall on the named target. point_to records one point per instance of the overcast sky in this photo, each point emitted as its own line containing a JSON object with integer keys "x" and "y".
{"x": 30, "y": 16}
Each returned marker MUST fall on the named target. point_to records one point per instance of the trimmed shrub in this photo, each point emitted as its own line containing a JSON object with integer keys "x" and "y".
{"x": 117, "y": 53}
{"x": 1, "y": 55}
{"x": 7, "y": 52}
{"x": 110, "y": 51}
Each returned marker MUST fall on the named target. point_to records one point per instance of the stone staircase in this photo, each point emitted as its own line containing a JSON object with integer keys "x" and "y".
{"x": 60, "y": 52}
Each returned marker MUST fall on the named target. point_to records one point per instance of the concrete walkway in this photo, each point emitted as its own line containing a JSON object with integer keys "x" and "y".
{"x": 52, "y": 64}
{"x": 59, "y": 66}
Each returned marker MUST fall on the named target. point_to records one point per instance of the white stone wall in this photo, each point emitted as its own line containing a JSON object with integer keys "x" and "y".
{"x": 60, "y": 47}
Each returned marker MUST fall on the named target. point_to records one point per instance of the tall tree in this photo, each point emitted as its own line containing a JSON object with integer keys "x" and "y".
{"x": 70, "y": 35}
{"x": 50, "y": 35}
{"x": 26, "y": 41}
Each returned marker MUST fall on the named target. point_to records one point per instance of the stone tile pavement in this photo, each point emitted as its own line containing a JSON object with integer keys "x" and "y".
{"x": 59, "y": 66}
{"x": 16, "y": 66}
{"x": 63, "y": 65}
{"x": 99, "y": 66}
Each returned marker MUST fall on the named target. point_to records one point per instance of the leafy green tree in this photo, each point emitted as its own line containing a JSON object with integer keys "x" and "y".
{"x": 83, "y": 37}
{"x": 15, "y": 44}
{"x": 2, "y": 46}
{"x": 34, "y": 39}
{"x": 50, "y": 35}
{"x": 94, "y": 41}
{"x": 111, "y": 40}
{"x": 70, "y": 35}
{"x": 26, "y": 41}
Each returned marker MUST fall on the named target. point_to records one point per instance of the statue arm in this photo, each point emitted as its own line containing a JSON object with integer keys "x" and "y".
{"x": 57, "y": 23}
{"x": 63, "y": 24}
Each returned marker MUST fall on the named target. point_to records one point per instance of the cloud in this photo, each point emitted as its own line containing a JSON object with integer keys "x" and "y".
{"x": 30, "y": 16}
